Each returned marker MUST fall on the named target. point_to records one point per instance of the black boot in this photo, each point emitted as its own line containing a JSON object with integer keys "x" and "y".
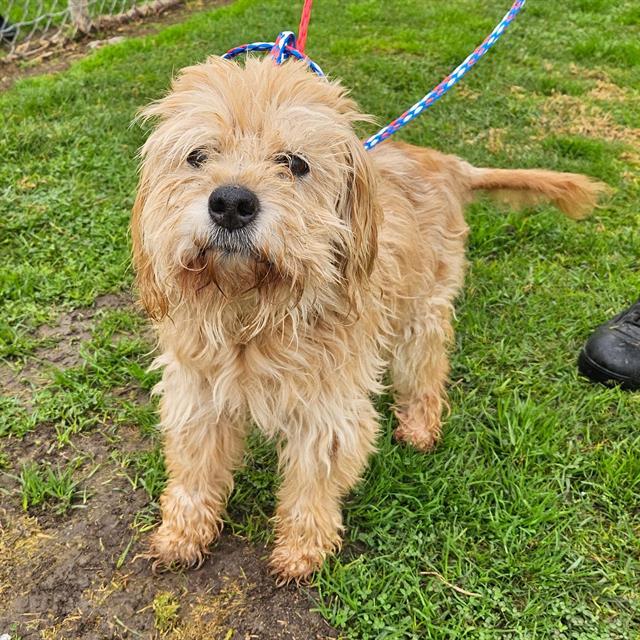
{"x": 8, "y": 32}
{"x": 612, "y": 354}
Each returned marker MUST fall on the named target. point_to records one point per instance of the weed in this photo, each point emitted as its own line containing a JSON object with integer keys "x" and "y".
{"x": 166, "y": 607}
{"x": 44, "y": 484}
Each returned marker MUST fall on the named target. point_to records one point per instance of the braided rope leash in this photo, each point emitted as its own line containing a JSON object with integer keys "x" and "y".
{"x": 285, "y": 46}
{"x": 452, "y": 79}
{"x": 303, "y": 29}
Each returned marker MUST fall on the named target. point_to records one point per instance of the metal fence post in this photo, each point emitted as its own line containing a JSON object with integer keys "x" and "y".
{"x": 79, "y": 10}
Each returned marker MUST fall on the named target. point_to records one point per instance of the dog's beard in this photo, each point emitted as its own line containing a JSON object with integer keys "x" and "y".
{"x": 239, "y": 243}
{"x": 230, "y": 264}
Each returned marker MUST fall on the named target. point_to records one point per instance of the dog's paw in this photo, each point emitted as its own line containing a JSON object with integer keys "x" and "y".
{"x": 171, "y": 549}
{"x": 424, "y": 442}
{"x": 295, "y": 564}
{"x": 419, "y": 425}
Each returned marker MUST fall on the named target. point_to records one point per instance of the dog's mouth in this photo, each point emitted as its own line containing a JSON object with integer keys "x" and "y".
{"x": 231, "y": 272}
{"x": 233, "y": 251}
{"x": 236, "y": 243}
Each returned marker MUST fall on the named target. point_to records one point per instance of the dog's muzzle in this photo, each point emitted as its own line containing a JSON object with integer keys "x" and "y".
{"x": 232, "y": 209}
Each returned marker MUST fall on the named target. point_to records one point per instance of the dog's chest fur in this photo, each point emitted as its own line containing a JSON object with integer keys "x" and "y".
{"x": 280, "y": 372}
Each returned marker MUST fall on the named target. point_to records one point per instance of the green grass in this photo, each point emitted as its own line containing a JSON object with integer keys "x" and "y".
{"x": 524, "y": 522}
{"x": 145, "y": 471}
{"x": 42, "y": 484}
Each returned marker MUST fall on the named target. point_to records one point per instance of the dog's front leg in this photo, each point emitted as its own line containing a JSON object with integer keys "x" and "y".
{"x": 323, "y": 457}
{"x": 202, "y": 448}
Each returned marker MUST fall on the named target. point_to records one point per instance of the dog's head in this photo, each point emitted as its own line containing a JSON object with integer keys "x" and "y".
{"x": 253, "y": 180}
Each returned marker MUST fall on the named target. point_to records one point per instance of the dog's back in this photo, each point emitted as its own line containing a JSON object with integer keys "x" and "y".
{"x": 574, "y": 194}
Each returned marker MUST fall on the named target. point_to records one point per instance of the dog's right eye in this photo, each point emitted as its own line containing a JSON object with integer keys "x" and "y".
{"x": 197, "y": 158}
{"x": 297, "y": 165}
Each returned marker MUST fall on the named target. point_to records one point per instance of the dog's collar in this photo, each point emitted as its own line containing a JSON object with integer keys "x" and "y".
{"x": 284, "y": 47}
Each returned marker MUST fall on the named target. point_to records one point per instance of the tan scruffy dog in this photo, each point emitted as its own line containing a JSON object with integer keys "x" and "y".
{"x": 286, "y": 268}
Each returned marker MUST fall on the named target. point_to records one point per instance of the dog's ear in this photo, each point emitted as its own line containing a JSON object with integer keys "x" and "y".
{"x": 359, "y": 208}
{"x": 153, "y": 299}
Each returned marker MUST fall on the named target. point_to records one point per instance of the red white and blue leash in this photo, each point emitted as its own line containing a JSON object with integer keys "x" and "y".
{"x": 285, "y": 46}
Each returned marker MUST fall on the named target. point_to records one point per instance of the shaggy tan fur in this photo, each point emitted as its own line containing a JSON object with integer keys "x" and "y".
{"x": 290, "y": 324}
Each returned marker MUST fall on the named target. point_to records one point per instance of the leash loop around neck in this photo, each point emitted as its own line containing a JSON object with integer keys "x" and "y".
{"x": 285, "y": 39}
{"x": 283, "y": 48}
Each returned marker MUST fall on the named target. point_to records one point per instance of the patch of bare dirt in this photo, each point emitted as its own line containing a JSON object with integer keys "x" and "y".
{"x": 62, "y": 351}
{"x": 58, "y": 57}
{"x": 82, "y": 576}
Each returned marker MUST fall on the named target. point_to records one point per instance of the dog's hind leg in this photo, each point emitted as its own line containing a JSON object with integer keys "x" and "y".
{"x": 201, "y": 450}
{"x": 419, "y": 370}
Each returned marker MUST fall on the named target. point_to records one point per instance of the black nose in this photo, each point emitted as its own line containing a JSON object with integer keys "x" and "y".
{"x": 232, "y": 206}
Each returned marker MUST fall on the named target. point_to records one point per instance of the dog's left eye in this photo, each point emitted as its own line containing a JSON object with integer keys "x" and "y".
{"x": 297, "y": 165}
{"x": 197, "y": 158}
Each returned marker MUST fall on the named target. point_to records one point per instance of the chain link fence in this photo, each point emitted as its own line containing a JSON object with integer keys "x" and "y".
{"x": 27, "y": 27}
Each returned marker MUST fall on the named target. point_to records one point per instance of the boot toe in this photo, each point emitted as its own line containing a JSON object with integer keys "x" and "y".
{"x": 611, "y": 357}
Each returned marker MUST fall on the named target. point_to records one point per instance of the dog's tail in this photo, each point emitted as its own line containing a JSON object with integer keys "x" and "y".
{"x": 574, "y": 194}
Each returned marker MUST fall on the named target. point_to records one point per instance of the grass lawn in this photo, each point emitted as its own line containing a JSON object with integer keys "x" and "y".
{"x": 525, "y": 522}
